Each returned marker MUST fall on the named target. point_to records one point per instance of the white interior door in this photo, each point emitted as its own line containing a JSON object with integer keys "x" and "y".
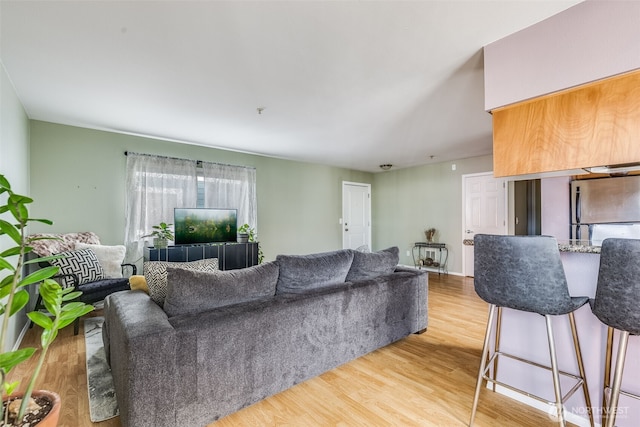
{"x": 485, "y": 210}
{"x": 356, "y": 215}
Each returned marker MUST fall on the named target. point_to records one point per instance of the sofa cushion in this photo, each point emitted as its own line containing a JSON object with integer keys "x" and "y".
{"x": 83, "y": 263}
{"x": 301, "y": 273}
{"x": 109, "y": 257}
{"x": 155, "y": 273}
{"x": 369, "y": 265}
{"x": 190, "y": 292}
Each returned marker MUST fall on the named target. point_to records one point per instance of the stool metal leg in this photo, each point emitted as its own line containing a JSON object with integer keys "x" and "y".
{"x": 497, "y": 346}
{"x": 556, "y": 373}
{"x": 607, "y": 375}
{"x": 576, "y": 346}
{"x": 617, "y": 379}
{"x": 483, "y": 362}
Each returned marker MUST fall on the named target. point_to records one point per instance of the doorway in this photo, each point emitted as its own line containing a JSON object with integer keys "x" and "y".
{"x": 526, "y": 207}
{"x": 356, "y": 215}
{"x": 484, "y": 211}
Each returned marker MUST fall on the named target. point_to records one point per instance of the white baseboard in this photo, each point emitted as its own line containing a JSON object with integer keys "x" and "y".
{"x": 432, "y": 270}
{"x": 23, "y": 332}
{"x": 529, "y": 401}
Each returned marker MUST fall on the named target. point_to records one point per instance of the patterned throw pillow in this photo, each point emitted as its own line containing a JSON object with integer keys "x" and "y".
{"x": 83, "y": 263}
{"x": 156, "y": 274}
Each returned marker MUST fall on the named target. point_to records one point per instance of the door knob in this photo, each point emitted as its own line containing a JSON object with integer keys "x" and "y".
{"x": 469, "y": 231}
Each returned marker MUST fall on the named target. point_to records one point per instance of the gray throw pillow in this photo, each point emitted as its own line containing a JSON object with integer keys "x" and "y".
{"x": 368, "y": 265}
{"x": 301, "y": 273}
{"x": 191, "y": 292}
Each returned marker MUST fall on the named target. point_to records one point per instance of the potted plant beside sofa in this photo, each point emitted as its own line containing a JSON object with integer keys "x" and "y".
{"x": 58, "y": 302}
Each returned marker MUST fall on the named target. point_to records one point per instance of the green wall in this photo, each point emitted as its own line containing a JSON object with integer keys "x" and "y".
{"x": 406, "y": 202}
{"x": 14, "y": 164}
{"x": 78, "y": 177}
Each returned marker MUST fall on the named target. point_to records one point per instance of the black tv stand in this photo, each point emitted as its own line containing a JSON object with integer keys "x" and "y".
{"x": 231, "y": 255}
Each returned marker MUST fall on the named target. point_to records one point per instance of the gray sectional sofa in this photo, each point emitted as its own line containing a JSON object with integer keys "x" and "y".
{"x": 225, "y": 340}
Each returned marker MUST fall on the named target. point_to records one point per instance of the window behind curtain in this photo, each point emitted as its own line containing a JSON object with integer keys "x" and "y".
{"x": 156, "y": 185}
{"x": 231, "y": 187}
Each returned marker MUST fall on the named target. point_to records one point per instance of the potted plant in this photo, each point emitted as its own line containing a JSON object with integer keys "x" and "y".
{"x": 243, "y": 233}
{"x": 246, "y": 233}
{"x": 57, "y": 301}
{"x": 161, "y": 235}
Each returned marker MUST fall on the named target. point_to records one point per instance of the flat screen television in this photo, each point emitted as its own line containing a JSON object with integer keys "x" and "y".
{"x": 204, "y": 225}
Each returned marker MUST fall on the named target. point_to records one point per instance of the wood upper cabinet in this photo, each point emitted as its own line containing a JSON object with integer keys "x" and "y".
{"x": 596, "y": 124}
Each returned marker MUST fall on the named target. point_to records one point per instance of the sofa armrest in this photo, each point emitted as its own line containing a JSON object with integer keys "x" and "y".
{"x": 422, "y": 296}
{"x": 140, "y": 345}
{"x": 400, "y": 268}
{"x": 134, "y": 269}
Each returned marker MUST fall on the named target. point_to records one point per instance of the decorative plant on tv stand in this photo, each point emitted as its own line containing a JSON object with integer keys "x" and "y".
{"x": 14, "y": 297}
{"x": 161, "y": 235}
{"x": 244, "y": 231}
{"x": 251, "y": 237}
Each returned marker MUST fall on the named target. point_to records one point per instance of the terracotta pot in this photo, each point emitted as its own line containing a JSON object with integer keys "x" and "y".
{"x": 51, "y": 420}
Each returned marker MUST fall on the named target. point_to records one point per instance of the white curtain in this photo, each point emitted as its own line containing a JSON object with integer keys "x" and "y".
{"x": 231, "y": 187}
{"x": 155, "y": 186}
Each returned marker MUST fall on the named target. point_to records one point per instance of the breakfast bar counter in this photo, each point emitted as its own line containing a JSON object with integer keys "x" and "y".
{"x": 581, "y": 262}
{"x": 574, "y": 246}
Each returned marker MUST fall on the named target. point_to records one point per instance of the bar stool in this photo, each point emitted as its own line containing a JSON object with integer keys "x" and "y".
{"x": 616, "y": 305}
{"x": 525, "y": 273}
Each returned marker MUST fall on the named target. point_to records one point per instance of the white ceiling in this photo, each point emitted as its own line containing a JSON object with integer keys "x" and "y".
{"x": 346, "y": 83}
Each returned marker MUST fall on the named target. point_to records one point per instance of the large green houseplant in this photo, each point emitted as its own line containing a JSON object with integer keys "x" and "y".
{"x": 59, "y": 304}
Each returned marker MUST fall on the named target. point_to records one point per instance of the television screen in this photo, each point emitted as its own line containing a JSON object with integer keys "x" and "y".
{"x": 204, "y": 225}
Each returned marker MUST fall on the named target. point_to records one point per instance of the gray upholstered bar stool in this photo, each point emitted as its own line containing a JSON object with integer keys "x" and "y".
{"x": 525, "y": 273}
{"x": 617, "y": 305}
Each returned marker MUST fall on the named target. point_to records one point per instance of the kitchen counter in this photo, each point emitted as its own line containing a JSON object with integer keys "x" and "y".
{"x": 581, "y": 261}
{"x": 574, "y": 246}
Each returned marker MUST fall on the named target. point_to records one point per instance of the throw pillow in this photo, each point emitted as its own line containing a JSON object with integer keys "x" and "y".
{"x": 301, "y": 273}
{"x": 83, "y": 263}
{"x": 190, "y": 292}
{"x": 109, "y": 257}
{"x": 47, "y": 244}
{"x": 155, "y": 272}
{"x": 137, "y": 282}
{"x": 368, "y": 265}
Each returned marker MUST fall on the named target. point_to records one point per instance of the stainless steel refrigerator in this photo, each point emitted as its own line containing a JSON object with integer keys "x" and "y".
{"x": 605, "y": 207}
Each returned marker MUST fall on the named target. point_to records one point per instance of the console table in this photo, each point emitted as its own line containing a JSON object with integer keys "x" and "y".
{"x": 424, "y": 255}
{"x": 231, "y": 256}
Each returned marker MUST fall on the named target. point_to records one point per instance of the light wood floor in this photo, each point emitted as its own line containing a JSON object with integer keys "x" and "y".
{"x": 423, "y": 380}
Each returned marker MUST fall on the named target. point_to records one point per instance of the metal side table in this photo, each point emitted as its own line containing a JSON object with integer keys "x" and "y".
{"x": 424, "y": 255}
